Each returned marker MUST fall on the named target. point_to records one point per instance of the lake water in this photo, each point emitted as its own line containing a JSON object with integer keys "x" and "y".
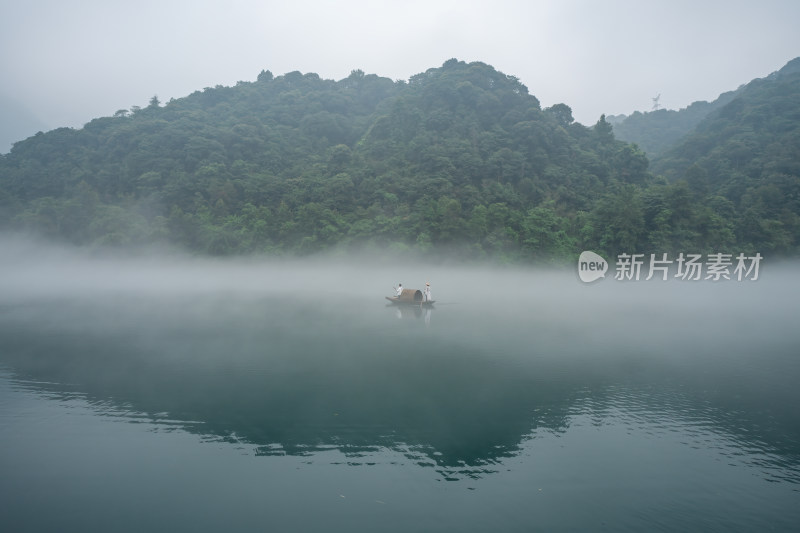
{"x": 174, "y": 394}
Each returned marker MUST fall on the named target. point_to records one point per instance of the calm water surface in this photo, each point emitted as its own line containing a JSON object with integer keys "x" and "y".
{"x": 187, "y": 395}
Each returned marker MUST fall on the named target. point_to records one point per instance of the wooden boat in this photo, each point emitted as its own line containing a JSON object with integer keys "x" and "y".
{"x": 411, "y": 297}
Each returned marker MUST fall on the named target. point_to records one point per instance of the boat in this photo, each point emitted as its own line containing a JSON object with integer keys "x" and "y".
{"x": 411, "y": 297}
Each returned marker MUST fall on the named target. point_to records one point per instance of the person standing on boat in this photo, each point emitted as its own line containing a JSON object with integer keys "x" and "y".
{"x": 399, "y": 289}
{"x": 427, "y": 292}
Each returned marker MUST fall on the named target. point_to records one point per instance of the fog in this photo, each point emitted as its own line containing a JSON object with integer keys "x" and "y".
{"x": 506, "y": 311}
{"x": 267, "y": 349}
{"x": 493, "y": 300}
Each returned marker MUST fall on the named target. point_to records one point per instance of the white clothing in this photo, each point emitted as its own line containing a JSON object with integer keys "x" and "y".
{"x": 427, "y": 293}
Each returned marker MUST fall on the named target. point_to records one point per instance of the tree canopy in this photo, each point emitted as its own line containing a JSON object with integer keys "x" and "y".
{"x": 459, "y": 158}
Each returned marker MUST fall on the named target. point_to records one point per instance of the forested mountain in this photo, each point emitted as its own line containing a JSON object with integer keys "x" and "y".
{"x": 459, "y": 158}
{"x": 657, "y": 131}
{"x": 748, "y": 152}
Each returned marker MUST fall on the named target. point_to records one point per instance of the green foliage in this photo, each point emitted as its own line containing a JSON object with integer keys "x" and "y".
{"x": 745, "y": 159}
{"x": 657, "y": 131}
{"x": 460, "y": 158}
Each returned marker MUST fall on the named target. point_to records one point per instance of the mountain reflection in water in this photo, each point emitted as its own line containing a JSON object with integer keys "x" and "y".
{"x": 294, "y": 377}
{"x": 287, "y": 361}
{"x": 290, "y": 379}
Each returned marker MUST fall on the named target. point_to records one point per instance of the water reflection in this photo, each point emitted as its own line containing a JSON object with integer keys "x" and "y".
{"x": 290, "y": 391}
{"x": 289, "y": 378}
{"x": 412, "y": 312}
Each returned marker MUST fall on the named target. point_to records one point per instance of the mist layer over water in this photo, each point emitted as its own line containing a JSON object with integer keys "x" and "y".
{"x": 292, "y": 394}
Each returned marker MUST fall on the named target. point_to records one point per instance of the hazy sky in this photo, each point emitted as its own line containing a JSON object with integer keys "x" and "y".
{"x": 66, "y": 62}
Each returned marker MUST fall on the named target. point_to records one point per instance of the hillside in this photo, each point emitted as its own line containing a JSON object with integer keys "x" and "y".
{"x": 657, "y": 131}
{"x": 460, "y": 158}
{"x": 749, "y": 153}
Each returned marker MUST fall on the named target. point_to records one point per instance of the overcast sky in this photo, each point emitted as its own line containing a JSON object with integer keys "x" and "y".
{"x": 65, "y": 62}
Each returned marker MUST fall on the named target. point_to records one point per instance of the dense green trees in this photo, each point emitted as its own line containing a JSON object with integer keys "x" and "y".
{"x": 743, "y": 162}
{"x": 460, "y": 158}
{"x": 657, "y": 131}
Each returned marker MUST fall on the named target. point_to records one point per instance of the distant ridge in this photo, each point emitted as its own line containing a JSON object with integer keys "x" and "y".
{"x": 657, "y": 131}
{"x": 17, "y": 123}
